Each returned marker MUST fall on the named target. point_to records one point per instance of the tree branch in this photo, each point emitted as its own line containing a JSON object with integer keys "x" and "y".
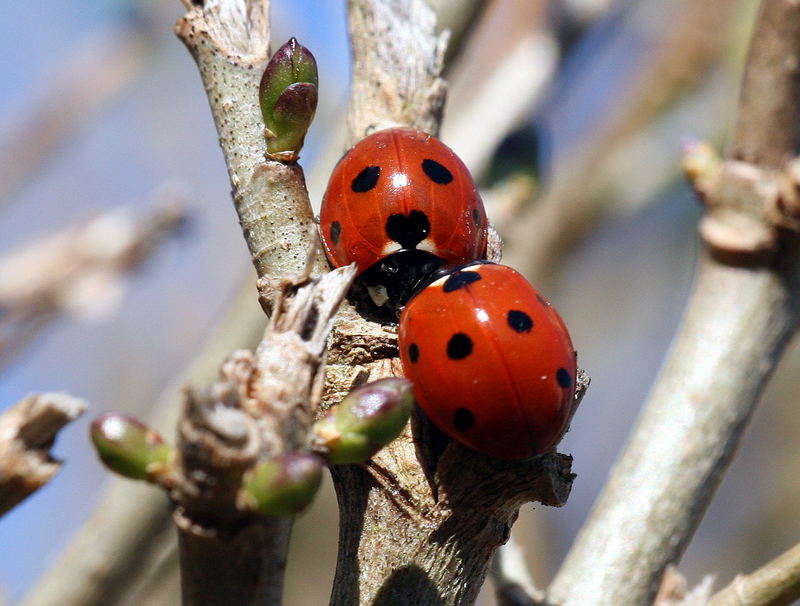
{"x": 114, "y": 546}
{"x": 229, "y": 40}
{"x": 77, "y": 271}
{"x": 513, "y": 584}
{"x": 261, "y": 408}
{"x": 397, "y": 59}
{"x": 27, "y": 431}
{"x": 777, "y": 583}
{"x": 445, "y": 507}
{"x": 740, "y": 317}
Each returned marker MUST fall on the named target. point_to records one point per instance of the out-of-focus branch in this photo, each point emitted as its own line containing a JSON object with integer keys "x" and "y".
{"x": 459, "y": 17}
{"x": 513, "y": 585}
{"x": 93, "y": 75}
{"x": 513, "y": 48}
{"x": 27, "y": 431}
{"x": 78, "y": 271}
{"x": 576, "y": 195}
{"x": 777, "y": 583}
{"x": 741, "y": 314}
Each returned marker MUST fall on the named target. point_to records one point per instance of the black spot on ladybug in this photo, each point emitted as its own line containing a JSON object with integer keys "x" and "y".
{"x": 336, "y": 231}
{"x": 436, "y": 172}
{"x": 519, "y": 321}
{"x": 542, "y": 300}
{"x": 409, "y": 230}
{"x": 413, "y": 352}
{"x": 476, "y": 216}
{"x": 459, "y": 346}
{"x": 366, "y": 179}
{"x": 460, "y": 279}
{"x": 563, "y": 377}
{"x": 463, "y": 419}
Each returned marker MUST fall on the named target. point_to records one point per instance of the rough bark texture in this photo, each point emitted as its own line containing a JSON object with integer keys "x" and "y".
{"x": 415, "y": 526}
{"x": 408, "y": 538}
{"x": 278, "y": 391}
{"x": 397, "y": 59}
{"x": 261, "y": 407}
{"x": 740, "y": 317}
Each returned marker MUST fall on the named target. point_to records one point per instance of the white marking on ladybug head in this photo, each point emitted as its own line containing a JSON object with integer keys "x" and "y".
{"x": 428, "y": 245}
{"x": 378, "y": 294}
{"x": 391, "y": 247}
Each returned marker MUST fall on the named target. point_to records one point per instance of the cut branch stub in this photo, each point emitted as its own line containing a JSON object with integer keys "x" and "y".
{"x": 244, "y": 451}
{"x": 27, "y": 432}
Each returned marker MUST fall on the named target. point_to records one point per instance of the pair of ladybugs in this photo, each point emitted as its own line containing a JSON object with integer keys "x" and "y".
{"x": 491, "y": 360}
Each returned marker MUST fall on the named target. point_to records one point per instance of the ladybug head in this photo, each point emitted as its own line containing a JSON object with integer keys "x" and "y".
{"x": 393, "y": 280}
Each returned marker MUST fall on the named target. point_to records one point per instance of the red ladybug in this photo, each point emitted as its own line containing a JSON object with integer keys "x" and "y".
{"x": 491, "y": 360}
{"x": 400, "y": 203}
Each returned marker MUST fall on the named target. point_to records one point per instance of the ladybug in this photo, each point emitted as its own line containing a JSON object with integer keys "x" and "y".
{"x": 491, "y": 360}
{"x": 400, "y": 204}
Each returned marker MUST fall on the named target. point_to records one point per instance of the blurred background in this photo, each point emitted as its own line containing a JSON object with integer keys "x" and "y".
{"x": 571, "y": 114}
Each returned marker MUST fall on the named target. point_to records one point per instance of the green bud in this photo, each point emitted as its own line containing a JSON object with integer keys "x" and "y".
{"x": 288, "y": 99}
{"x": 129, "y": 448}
{"x": 282, "y": 486}
{"x": 366, "y": 420}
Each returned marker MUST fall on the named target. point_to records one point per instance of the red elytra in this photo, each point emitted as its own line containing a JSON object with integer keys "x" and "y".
{"x": 399, "y": 204}
{"x": 491, "y": 361}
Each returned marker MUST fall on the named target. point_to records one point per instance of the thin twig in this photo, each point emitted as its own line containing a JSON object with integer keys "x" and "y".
{"x": 739, "y": 319}
{"x": 777, "y": 583}
{"x": 27, "y": 431}
{"x": 229, "y": 40}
